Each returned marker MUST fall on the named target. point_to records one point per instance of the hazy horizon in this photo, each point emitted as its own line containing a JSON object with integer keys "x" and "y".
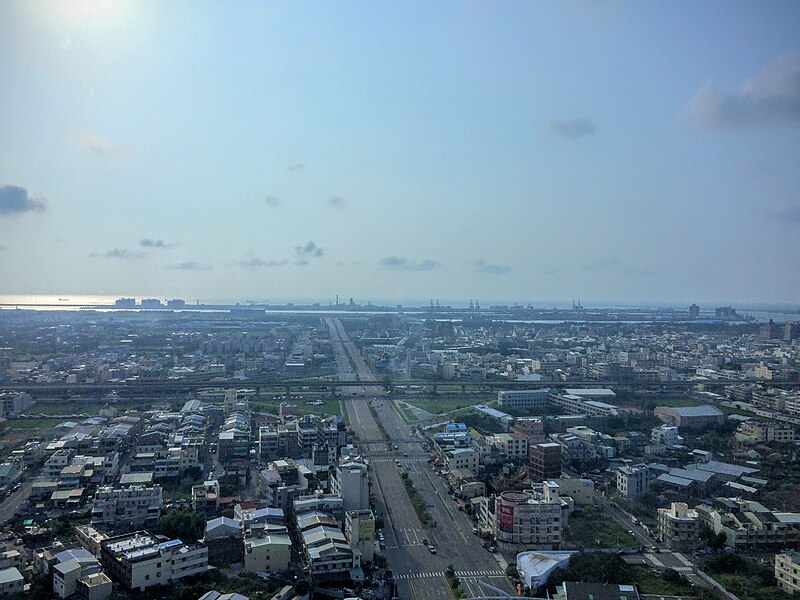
{"x": 584, "y": 149}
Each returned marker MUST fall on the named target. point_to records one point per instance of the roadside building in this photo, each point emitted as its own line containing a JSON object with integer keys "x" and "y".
{"x": 787, "y": 572}
{"x": 678, "y": 527}
{"x": 523, "y": 521}
{"x": 139, "y": 560}
{"x": 633, "y": 482}
{"x": 351, "y": 483}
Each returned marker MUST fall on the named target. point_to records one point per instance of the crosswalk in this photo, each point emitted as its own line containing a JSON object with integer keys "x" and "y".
{"x": 459, "y": 574}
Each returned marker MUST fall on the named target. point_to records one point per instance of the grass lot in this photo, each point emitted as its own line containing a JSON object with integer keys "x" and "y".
{"x": 644, "y": 514}
{"x": 675, "y": 402}
{"x": 437, "y": 406}
{"x": 649, "y": 582}
{"x": 752, "y": 588}
{"x": 589, "y": 528}
{"x": 65, "y": 408}
{"x": 42, "y": 423}
{"x": 329, "y": 406}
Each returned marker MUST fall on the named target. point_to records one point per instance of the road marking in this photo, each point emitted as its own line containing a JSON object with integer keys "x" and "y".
{"x": 683, "y": 559}
{"x": 413, "y": 591}
{"x": 654, "y": 560}
{"x": 459, "y": 574}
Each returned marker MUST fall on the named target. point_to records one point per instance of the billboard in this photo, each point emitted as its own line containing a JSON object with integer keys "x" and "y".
{"x": 505, "y": 517}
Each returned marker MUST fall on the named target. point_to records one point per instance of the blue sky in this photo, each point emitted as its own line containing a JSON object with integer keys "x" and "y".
{"x": 624, "y": 151}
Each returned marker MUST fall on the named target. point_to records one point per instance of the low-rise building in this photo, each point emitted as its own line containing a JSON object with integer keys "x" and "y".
{"x": 761, "y": 432}
{"x": 633, "y": 482}
{"x": 691, "y": 418}
{"x": 787, "y": 572}
{"x": 678, "y": 527}
{"x": 11, "y": 582}
{"x": 267, "y": 549}
{"x": 139, "y": 561}
{"x": 134, "y": 506}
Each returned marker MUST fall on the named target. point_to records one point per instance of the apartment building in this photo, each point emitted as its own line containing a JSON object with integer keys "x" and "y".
{"x": 749, "y": 525}
{"x": 524, "y": 399}
{"x": 768, "y": 431}
{"x": 678, "y": 527}
{"x": 787, "y": 572}
{"x": 267, "y": 548}
{"x": 511, "y": 446}
{"x": 134, "y": 506}
{"x": 633, "y": 482}
{"x": 138, "y": 560}
{"x": 578, "y": 405}
{"x": 526, "y": 521}
{"x": 351, "y": 483}
{"x": 544, "y": 461}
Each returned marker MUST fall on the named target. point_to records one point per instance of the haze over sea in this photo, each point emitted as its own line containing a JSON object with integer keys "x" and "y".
{"x": 72, "y": 302}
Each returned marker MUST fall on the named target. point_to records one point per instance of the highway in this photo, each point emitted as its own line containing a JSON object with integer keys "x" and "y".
{"x": 419, "y": 573}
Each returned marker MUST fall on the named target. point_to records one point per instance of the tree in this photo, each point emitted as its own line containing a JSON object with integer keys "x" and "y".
{"x": 512, "y": 572}
{"x": 714, "y": 541}
{"x": 181, "y": 524}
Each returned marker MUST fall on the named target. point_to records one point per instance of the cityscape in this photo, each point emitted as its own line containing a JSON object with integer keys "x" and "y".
{"x": 351, "y": 300}
{"x": 152, "y": 451}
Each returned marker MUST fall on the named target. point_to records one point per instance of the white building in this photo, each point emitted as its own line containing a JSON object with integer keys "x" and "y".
{"x": 524, "y": 521}
{"x": 633, "y": 482}
{"x": 359, "y": 529}
{"x": 524, "y": 399}
{"x": 666, "y": 435}
{"x": 678, "y": 527}
{"x": 134, "y": 506}
{"x": 267, "y": 549}
{"x": 139, "y": 561}
{"x": 351, "y": 484}
{"x": 510, "y": 446}
{"x": 11, "y": 582}
{"x": 787, "y": 572}
{"x": 462, "y": 458}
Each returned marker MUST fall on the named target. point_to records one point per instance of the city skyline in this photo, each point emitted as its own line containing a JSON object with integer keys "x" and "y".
{"x": 602, "y": 150}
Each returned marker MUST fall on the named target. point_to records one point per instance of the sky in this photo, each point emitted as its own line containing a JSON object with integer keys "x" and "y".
{"x": 503, "y": 151}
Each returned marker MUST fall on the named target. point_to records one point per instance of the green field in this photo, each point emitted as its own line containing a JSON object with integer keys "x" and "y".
{"x": 749, "y": 587}
{"x": 65, "y": 408}
{"x": 676, "y": 402}
{"x": 42, "y": 423}
{"x": 438, "y": 406}
{"x": 649, "y": 582}
{"x": 329, "y": 406}
{"x": 589, "y": 528}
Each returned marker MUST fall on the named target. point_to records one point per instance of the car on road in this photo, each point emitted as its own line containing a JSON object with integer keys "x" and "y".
{"x": 475, "y": 530}
{"x": 492, "y": 549}
{"x": 432, "y": 549}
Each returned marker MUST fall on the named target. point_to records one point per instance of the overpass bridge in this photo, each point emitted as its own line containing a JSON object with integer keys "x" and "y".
{"x": 184, "y": 388}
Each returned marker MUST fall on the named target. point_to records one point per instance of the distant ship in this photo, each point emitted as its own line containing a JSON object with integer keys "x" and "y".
{"x": 63, "y": 299}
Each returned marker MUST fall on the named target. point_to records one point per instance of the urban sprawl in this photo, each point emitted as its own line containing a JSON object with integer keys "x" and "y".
{"x": 242, "y": 452}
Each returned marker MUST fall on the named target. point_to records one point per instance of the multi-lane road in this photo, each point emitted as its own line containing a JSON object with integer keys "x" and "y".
{"x": 419, "y": 573}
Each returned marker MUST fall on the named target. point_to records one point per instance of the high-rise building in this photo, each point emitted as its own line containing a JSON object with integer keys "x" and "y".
{"x": 694, "y": 311}
{"x": 545, "y": 461}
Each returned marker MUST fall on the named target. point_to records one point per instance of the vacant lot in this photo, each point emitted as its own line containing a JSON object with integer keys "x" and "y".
{"x": 438, "y": 406}
{"x": 328, "y": 407}
{"x": 588, "y": 527}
